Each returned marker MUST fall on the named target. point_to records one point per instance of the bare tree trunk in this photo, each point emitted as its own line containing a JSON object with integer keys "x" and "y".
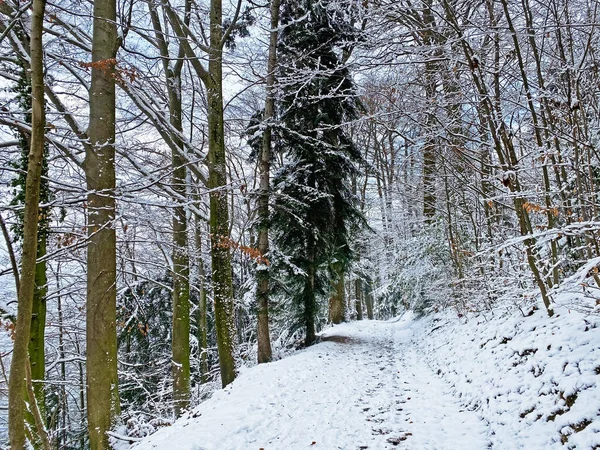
{"x": 219, "y": 213}
{"x": 180, "y": 338}
{"x": 337, "y": 299}
{"x": 429, "y": 148}
{"x": 37, "y": 354}
{"x": 18, "y": 369}
{"x": 101, "y": 337}
{"x": 507, "y": 156}
{"x": 181, "y": 270}
{"x": 217, "y": 181}
{"x": 262, "y": 274}
{"x": 369, "y": 301}
{"x": 202, "y": 305}
{"x": 537, "y": 131}
{"x": 358, "y": 301}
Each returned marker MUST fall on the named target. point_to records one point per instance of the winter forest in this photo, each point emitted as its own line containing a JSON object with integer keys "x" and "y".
{"x": 219, "y": 214}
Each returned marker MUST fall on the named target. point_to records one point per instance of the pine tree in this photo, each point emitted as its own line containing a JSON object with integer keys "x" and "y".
{"x": 315, "y": 210}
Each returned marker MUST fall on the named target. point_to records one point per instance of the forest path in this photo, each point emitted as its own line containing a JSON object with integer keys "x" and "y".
{"x": 363, "y": 387}
{"x": 403, "y": 401}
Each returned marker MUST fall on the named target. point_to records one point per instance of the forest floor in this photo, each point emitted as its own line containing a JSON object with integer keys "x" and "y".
{"x": 408, "y": 384}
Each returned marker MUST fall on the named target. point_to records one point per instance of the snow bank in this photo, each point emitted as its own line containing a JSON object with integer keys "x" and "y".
{"x": 535, "y": 380}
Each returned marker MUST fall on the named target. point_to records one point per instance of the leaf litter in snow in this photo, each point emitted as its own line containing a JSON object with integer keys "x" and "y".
{"x": 435, "y": 383}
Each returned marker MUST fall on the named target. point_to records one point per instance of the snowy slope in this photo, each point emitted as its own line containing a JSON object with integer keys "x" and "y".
{"x": 534, "y": 380}
{"x": 435, "y": 383}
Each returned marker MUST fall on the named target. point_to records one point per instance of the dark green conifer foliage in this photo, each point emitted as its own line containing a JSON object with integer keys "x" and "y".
{"x": 314, "y": 210}
{"x": 144, "y": 313}
{"x": 144, "y": 341}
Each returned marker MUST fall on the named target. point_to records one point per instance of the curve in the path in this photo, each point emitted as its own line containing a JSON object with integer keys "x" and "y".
{"x": 363, "y": 388}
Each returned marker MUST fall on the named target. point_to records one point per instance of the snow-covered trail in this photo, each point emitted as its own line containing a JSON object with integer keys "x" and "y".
{"x": 365, "y": 387}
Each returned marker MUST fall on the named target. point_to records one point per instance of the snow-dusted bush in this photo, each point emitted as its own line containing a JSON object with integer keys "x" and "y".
{"x": 421, "y": 279}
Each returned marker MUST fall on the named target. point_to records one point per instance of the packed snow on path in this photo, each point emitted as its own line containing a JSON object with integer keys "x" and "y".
{"x": 506, "y": 382}
{"x": 364, "y": 387}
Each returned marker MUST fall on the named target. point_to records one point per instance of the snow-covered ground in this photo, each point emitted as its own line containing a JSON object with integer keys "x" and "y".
{"x": 534, "y": 380}
{"x": 435, "y": 383}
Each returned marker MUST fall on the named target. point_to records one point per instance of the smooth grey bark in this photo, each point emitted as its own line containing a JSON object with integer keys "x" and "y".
{"x": 103, "y": 406}
{"x": 181, "y": 270}
{"x": 262, "y": 274}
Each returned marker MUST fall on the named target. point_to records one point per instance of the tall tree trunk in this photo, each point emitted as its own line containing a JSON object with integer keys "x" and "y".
{"x": 358, "y": 301}
{"x": 37, "y": 355}
{"x": 18, "y": 369}
{"x": 217, "y": 181}
{"x": 369, "y": 301}
{"x": 181, "y": 271}
{"x": 337, "y": 299}
{"x": 309, "y": 294}
{"x": 429, "y": 181}
{"x": 262, "y": 274}
{"x": 38, "y": 316}
{"x": 429, "y": 148}
{"x": 202, "y": 305}
{"x": 219, "y": 213}
{"x": 101, "y": 337}
{"x": 505, "y": 151}
{"x": 180, "y": 337}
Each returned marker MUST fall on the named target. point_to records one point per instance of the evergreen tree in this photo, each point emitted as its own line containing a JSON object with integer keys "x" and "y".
{"x": 144, "y": 340}
{"x": 315, "y": 210}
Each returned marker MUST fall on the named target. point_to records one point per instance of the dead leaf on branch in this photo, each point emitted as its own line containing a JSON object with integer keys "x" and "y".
{"x": 111, "y": 65}
{"x": 225, "y": 242}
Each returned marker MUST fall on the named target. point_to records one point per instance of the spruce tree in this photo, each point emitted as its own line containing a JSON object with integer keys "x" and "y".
{"x": 314, "y": 210}
{"x": 144, "y": 341}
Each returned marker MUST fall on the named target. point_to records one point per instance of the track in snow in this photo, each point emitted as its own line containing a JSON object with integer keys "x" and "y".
{"x": 364, "y": 387}
{"x": 403, "y": 401}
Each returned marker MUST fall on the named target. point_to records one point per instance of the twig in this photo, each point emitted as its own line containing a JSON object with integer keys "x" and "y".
{"x": 35, "y": 411}
{"x": 123, "y": 438}
{"x": 11, "y": 254}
